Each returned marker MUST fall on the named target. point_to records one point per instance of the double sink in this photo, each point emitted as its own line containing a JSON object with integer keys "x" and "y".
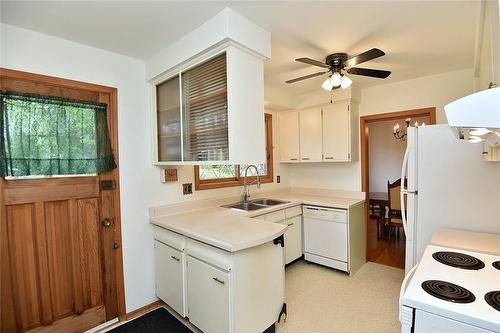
{"x": 255, "y": 204}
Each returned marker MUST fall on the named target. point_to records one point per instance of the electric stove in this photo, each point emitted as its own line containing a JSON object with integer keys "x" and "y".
{"x": 452, "y": 290}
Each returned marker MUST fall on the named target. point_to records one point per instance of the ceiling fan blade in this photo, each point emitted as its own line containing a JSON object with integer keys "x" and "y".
{"x": 381, "y": 74}
{"x": 305, "y": 77}
{"x": 310, "y": 61}
{"x": 362, "y": 57}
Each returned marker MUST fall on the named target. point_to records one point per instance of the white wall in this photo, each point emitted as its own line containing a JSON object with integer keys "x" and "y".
{"x": 436, "y": 90}
{"x": 140, "y": 181}
{"x": 386, "y": 153}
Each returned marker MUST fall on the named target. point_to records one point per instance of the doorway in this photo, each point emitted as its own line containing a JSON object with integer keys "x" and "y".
{"x": 61, "y": 256}
{"x": 381, "y": 159}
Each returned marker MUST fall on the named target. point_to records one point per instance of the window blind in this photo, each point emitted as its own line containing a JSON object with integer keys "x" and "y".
{"x": 205, "y": 120}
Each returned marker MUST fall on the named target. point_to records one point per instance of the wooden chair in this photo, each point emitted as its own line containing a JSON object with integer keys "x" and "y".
{"x": 393, "y": 215}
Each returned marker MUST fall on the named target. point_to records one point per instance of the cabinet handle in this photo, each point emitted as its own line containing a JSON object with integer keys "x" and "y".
{"x": 305, "y": 158}
{"x": 175, "y": 258}
{"x": 219, "y": 281}
{"x": 329, "y": 158}
{"x": 293, "y": 159}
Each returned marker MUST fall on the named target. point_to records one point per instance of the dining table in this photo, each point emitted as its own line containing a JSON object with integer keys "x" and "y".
{"x": 379, "y": 199}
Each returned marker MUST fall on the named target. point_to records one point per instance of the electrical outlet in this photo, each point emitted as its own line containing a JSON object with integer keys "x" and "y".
{"x": 278, "y": 179}
{"x": 187, "y": 188}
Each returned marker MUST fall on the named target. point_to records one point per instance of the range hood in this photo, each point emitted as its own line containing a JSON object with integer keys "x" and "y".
{"x": 476, "y": 117}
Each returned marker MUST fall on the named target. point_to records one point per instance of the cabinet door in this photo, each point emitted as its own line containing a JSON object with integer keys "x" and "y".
{"x": 310, "y": 135}
{"x": 336, "y": 132}
{"x": 169, "y": 267}
{"x": 207, "y": 296}
{"x": 293, "y": 239}
{"x": 289, "y": 137}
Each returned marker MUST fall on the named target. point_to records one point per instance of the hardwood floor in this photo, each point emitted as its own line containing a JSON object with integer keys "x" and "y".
{"x": 385, "y": 251}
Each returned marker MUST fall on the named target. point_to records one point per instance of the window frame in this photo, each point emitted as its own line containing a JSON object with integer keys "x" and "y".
{"x": 209, "y": 184}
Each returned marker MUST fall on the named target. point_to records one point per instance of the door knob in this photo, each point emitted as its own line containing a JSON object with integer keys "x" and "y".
{"x": 106, "y": 223}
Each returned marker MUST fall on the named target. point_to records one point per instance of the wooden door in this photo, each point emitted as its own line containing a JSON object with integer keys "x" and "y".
{"x": 289, "y": 137}
{"x": 336, "y": 132}
{"x": 310, "y": 135}
{"x": 61, "y": 265}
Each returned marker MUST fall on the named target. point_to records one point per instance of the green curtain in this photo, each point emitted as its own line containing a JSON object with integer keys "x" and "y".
{"x": 42, "y": 135}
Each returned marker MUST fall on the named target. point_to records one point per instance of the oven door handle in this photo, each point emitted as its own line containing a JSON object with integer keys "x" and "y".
{"x": 406, "y": 280}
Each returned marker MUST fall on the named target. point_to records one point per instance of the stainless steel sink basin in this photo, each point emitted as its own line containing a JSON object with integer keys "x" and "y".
{"x": 269, "y": 202}
{"x": 248, "y": 206}
{"x": 255, "y": 204}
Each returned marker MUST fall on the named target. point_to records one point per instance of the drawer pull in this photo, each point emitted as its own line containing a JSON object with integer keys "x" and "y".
{"x": 329, "y": 158}
{"x": 219, "y": 281}
{"x": 305, "y": 158}
{"x": 293, "y": 159}
{"x": 175, "y": 258}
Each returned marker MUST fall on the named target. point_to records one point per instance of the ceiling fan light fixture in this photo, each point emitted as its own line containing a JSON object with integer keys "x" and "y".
{"x": 336, "y": 79}
{"x": 327, "y": 84}
{"x": 346, "y": 82}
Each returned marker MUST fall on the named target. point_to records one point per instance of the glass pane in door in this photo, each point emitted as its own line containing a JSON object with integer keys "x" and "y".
{"x": 205, "y": 115}
{"x": 169, "y": 120}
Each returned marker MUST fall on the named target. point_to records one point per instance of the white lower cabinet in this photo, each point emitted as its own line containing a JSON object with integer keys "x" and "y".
{"x": 208, "y": 296}
{"x": 292, "y": 217}
{"x": 220, "y": 291}
{"x": 169, "y": 276}
{"x": 293, "y": 239}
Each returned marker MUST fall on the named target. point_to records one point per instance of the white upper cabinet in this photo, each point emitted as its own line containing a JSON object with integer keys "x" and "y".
{"x": 326, "y": 133}
{"x": 211, "y": 111}
{"x": 289, "y": 137}
{"x": 310, "y": 135}
{"x": 207, "y": 94}
{"x": 337, "y": 132}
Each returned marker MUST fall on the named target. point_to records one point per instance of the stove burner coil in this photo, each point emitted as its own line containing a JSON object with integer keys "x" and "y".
{"x": 448, "y": 291}
{"x": 458, "y": 260}
{"x": 496, "y": 264}
{"x": 493, "y": 299}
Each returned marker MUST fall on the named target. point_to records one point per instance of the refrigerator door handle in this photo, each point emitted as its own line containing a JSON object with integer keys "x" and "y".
{"x": 404, "y": 191}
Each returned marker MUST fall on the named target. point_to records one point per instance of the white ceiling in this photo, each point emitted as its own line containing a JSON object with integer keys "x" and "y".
{"x": 419, "y": 37}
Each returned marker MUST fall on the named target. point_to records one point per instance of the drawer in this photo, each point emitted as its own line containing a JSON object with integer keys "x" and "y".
{"x": 275, "y": 216}
{"x": 170, "y": 238}
{"x": 210, "y": 254}
{"x": 293, "y": 211}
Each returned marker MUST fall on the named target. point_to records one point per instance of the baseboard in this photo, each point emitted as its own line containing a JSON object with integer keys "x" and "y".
{"x": 301, "y": 258}
{"x": 146, "y": 308}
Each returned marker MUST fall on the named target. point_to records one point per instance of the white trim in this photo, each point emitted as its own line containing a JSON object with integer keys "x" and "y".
{"x": 479, "y": 37}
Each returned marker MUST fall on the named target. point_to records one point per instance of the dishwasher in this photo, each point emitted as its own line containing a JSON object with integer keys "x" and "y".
{"x": 325, "y": 237}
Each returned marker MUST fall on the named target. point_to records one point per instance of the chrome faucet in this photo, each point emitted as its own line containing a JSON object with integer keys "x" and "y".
{"x": 246, "y": 194}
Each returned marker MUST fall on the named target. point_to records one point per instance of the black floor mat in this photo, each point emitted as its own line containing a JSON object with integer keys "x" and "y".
{"x": 157, "y": 321}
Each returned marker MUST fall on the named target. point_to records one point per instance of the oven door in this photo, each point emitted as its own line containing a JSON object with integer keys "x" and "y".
{"x": 431, "y": 323}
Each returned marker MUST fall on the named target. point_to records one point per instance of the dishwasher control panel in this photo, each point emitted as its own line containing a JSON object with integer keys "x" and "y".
{"x": 324, "y": 213}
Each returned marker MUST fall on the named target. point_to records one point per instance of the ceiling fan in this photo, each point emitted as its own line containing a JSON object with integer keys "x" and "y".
{"x": 339, "y": 64}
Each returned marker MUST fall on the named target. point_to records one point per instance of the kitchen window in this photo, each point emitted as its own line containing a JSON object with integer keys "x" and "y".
{"x": 219, "y": 176}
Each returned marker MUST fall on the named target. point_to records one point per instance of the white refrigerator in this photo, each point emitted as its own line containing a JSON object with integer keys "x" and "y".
{"x": 448, "y": 185}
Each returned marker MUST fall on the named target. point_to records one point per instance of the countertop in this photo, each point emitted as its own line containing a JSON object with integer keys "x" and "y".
{"x": 234, "y": 230}
{"x": 467, "y": 240}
